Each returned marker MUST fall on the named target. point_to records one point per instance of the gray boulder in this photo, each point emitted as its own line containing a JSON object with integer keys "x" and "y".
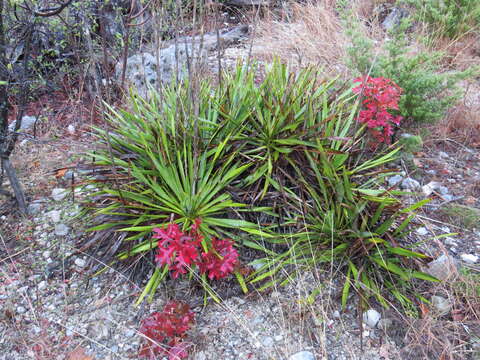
{"x": 394, "y": 18}
{"x": 27, "y": 123}
{"x": 160, "y": 67}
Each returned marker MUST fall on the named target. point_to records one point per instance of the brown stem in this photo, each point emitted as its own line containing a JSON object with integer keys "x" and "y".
{"x": 16, "y": 186}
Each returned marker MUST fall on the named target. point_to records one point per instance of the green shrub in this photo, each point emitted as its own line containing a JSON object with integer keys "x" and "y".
{"x": 428, "y": 92}
{"x": 290, "y": 144}
{"x": 450, "y": 18}
{"x": 410, "y": 143}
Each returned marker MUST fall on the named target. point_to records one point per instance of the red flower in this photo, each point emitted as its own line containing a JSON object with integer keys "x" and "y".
{"x": 220, "y": 261}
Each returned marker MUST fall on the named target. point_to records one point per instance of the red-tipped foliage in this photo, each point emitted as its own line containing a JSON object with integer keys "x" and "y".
{"x": 180, "y": 251}
{"x": 166, "y": 330}
{"x": 175, "y": 249}
{"x": 220, "y": 260}
{"x": 380, "y": 95}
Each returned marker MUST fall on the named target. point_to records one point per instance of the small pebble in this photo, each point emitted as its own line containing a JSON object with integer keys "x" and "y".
{"x": 80, "y": 262}
{"x": 371, "y": 317}
{"x": 61, "y": 229}
{"x": 441, "y": 305}
{"x": 394, "y": 180}
{"x": 469, "y": 258}
{"x": 422, "y": 231}
{"x": 302, "y": 355}
{"x": 410, "y": 184}
{"x": 58, "y": 194}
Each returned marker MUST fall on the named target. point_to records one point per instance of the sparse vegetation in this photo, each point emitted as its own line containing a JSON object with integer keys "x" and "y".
{"x": 428, "y": 90}
{"x": 450, "y": 18}
{"x": 466, "y": 216}
{"x": 283, "y": 188}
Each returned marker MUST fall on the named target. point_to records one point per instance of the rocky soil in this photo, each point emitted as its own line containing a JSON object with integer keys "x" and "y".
{"x": 53, "y": 308}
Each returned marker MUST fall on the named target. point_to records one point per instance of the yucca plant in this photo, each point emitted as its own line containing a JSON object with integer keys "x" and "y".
{"x": 164, "y": 161}
{"x": 279, "y": 118}
{"x": 346, "y": 217}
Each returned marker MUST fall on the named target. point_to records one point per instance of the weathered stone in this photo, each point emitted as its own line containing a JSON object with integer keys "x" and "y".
{"x": 371, "y": 317}
{"x": 80, "y": 262}
{"x": 58, "y": 194}
{"x": 27, "y": 123}
{"x": 302, "y": 355}
{"x": 442, "y": 268}
{"x": 394, "y": 180}
{"x": 469, "y": 258}
{"x": 61, "y": 229}
{"x": 394, "y": 18}
{"x": 441, "y": 305}
{"x": 410, "y": 184}
{"x": 422, "y": 231}
{"x": 144, "y": 72}
{"x": 34, "y": 208}
{"x": 54, "y": 215}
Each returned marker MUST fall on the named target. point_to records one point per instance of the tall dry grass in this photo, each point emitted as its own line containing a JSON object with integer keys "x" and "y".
{"x": 303, "y": 34}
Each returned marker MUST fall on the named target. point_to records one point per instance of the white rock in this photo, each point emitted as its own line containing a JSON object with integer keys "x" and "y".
{"x": 34, "y": 208}
{"x": 58, "y": 194}
{"x": 469, "y": 258}
{"x": 371, "y": 317}
{"x": 61, "y": 229}
{"x": 422, "y": 231}
{"x": 54, "y": 215}
{"x": 268, "y": 341}
{"x": 394, "y": 180}
{"x": 130, "y": 333}
{"x": 443, "y": 190}
{"x": 443, "y": 154}
{"x": 42, "y": 285}
{"x": 410, "y": 184}
{"x": 302, "y": 355}
{"x": 46, "y": 254}
{"x": 430, "y": 187}
{"x": 442, "y": 268}
{"x": 441, "y": 305}
{"x": 336, "y": 314}
{"x": 21, "y": 310}
{"x": 27, "y": 123}
{"x": 80, "y": 262}
{"x": 71, "y": 129}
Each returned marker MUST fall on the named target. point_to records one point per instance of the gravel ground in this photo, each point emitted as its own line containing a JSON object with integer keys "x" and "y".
{"x": 52, "y": 308}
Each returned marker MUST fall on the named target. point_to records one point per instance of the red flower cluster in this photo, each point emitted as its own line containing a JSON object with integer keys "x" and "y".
{"x": 166, "y": 330}
{"x": 181, "y": 251}
{"x": 380, "y": 95}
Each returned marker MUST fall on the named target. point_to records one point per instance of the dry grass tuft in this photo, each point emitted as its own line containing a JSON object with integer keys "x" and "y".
{"x": 463, "y": 121}
{"x": 309, "y": 34}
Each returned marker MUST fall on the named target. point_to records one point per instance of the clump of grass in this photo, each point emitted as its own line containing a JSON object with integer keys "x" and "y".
{"x": 463, "y": 215}
{"x": 310, "y": 34}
